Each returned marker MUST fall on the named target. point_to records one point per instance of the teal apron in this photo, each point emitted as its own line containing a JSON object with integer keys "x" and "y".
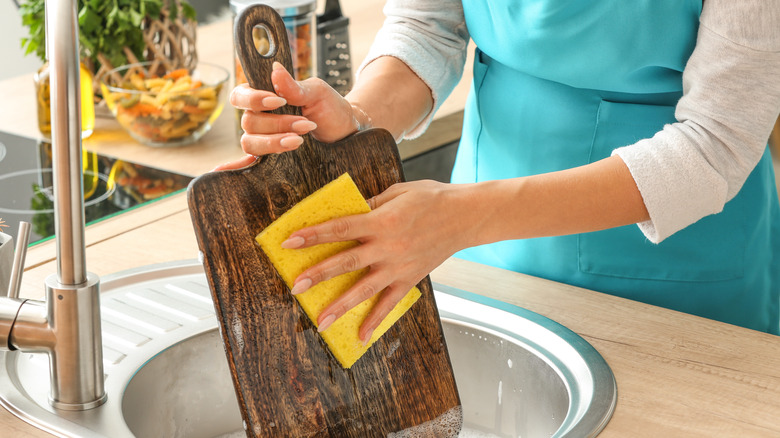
{"x": 562, "y": 83}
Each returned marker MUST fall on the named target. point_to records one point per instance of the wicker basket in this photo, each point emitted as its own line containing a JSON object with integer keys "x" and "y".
{"x": 170, "y": 44}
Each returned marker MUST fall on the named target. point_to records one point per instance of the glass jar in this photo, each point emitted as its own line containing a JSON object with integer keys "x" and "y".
{"x": 300, "y": 19}
{"x": 43, "y": 101}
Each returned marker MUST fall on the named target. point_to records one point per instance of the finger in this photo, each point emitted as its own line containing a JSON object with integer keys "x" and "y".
{"x": 247, "y": 98}
{"x": 269, "y": 144}
{"x": 286, "y": 86}
{"x": 391, "y": 296}
{"x": 237, "y": 164}
{"x": 350, "y": 260}
{"x": 386, "y": 196}
{"x": 364, "y": 289}
{"x": 335, "y": 230}
{"x": 298, "y": 93}
{"x": 266, "y": 123}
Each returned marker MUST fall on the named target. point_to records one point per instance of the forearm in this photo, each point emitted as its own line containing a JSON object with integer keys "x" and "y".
{"x": 597, "y": 196}
{"x": 389, "y": 95}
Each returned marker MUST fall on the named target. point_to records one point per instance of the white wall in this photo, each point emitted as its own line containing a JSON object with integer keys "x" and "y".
{"x": 12, "y": 59}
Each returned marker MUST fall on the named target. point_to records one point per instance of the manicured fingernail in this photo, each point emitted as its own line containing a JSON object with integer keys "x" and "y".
{"x": 274, "y": 102}
{"x": 326, "y": 323}
{"x": 293, "y": 242}
{"x": 301, "y": 286}
{"x": 278, "y": 66}
{"x": 303, "y": 126}
{"x": 367, "y": 338}
{"x": 291, "y": 142}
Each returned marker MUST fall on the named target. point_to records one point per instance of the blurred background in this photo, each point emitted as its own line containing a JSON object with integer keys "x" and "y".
{"x": 15, "y": 63}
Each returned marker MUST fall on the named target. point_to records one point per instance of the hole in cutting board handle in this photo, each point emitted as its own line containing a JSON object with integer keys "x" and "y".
{"x": 264, "y": 41}
{"x": 261, "y": 39}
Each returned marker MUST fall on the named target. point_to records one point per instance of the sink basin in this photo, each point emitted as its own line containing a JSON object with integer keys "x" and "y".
{"x": 518, "y": 374}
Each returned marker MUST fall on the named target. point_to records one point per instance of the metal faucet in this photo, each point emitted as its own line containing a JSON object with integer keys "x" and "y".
{"x": 66, "y": 325}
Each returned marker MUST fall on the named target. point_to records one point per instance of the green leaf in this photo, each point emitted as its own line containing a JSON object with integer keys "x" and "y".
{"x": 189, "y": 11}
{"x": 87, "y": 45}
{"x": 88, "y": 20}
{"x": 111, "y": 17}
{"x": 122, "y": 18}
{"x": 136, "y": 18}
{"x": 153, "y": 8}
{"x": 172, "y": 8}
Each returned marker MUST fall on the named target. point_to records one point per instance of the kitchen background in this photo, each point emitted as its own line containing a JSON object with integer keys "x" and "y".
{"x": 14, "y": 62}
{"x": 435, "y": 164}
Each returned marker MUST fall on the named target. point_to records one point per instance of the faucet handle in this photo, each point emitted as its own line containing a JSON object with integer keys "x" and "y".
{"x": 20, "y": 253}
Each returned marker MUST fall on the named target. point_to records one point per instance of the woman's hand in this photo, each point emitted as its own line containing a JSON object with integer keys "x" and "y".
{"x": 408, "y": 233}
{"x": 326, "y": 114}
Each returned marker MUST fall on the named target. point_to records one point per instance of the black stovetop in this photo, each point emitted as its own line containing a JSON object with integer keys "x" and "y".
{"x": 110, "y": 185}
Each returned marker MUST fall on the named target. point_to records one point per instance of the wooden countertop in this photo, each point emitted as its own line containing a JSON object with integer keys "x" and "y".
{"x": 678, "y": 375}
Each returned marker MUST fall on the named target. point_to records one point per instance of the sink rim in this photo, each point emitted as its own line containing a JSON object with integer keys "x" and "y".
{"x": 589, "y": 419}
{"x": 582, "y": 419}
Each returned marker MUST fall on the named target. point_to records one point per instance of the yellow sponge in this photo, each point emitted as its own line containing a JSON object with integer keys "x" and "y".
{"x": 340, "y": 197}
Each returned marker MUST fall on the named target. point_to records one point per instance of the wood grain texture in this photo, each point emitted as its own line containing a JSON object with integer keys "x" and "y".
{"x": 287, "y": 382}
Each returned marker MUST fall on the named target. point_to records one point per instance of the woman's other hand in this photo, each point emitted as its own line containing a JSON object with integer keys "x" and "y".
{"x": 325, "y": 114}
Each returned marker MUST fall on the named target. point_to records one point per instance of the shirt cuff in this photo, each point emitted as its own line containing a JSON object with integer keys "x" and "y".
{"x": 678, "y": 186}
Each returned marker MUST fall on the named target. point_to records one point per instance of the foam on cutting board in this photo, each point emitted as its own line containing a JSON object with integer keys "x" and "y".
{"x": 340, "y": 197}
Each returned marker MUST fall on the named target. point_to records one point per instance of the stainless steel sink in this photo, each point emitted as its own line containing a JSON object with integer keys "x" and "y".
{"x": 519, "y": 374}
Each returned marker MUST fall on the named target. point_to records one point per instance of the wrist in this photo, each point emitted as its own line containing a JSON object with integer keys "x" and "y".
{"x": 484, "y": 206}
{"x": 363, "y": 121}
{"x": 361, "y": 118}
{"x": 469, "y": 213}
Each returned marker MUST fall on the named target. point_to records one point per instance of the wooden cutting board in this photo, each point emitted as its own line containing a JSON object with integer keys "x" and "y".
{"x": 287, "y": 382}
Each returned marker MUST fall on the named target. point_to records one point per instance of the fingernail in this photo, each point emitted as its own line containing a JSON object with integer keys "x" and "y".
{"x": 301, "y": 286}
{"x": 291, "y": 142}
{"x": 278, "y": 66}
{"x": 303, "y": 126}
{"x": 293, "y": 242}
{"x": 368, "y": 338}
{"x": 326, "y": 323}
{"x": 274, "y": 102}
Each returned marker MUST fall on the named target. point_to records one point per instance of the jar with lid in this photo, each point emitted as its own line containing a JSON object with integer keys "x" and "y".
{"x": 300, "y": 19}
{"x": 43, "y": 101}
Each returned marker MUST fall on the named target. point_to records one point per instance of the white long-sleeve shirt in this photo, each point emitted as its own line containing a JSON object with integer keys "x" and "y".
{"x": 690, "y": 169}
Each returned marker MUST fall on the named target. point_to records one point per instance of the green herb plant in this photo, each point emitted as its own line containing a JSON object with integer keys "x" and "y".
{"x": 105, "y": 26}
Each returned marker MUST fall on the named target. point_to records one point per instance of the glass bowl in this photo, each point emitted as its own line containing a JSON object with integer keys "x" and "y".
{"x": 165, "y": 108}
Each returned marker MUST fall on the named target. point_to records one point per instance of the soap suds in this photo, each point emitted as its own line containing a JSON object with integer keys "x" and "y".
{"x": 238, "y": 333}
{"x": 445, "y": 425}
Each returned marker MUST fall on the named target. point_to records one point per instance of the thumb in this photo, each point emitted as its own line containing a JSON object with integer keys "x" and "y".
{"x": 287, "y": 87}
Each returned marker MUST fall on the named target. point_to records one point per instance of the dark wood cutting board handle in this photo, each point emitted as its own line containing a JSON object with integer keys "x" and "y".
{"x": 257, "y": 67}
